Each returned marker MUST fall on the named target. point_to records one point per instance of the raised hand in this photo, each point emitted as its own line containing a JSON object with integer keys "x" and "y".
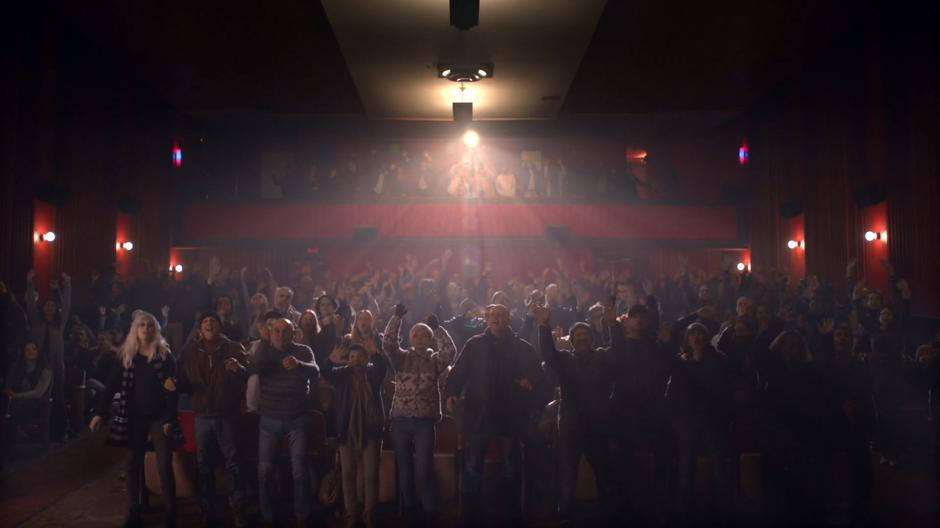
{"x": 541, "y": 313}
{"x": 850, "y": 267}
{"x": 610, "y": 313}
{"x": 95, "y": 424}
{"x": 826, "y": 326}
{"x": 400, "y": 310}
{"x": 433, "y": 322}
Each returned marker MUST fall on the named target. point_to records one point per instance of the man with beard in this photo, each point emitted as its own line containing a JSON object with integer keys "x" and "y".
{"x": 214, "y": 373}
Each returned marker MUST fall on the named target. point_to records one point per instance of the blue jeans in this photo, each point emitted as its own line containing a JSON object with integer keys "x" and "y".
{"x": 270, "y": 433}
{"x": 417, "y": 432}
{"x": 224, "y": 430}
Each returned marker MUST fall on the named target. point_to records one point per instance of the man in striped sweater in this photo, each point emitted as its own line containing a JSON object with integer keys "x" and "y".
{"x": 286, "y": 370}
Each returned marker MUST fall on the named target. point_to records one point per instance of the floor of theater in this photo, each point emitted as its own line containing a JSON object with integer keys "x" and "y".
{"x": 81, "y": 484}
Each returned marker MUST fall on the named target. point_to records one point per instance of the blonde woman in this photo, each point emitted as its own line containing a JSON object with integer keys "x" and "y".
{"x": 143, "y": 377}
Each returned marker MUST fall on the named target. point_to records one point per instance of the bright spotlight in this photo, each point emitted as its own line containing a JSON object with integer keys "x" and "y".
{"x": 741, "y": 266}
{"x": 128, "y": 246}
{"x": 49, "y": 236}
{"x": 178, "y": 268}
{"x": 792, "y": 244}
{"x": 471, "y": 138}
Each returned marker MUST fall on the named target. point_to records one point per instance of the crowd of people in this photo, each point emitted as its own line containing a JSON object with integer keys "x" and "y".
{"x": 482, "y": 174}
{"x": 553, "y": 365}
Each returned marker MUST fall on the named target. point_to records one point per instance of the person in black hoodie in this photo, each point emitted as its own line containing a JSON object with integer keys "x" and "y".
{"x": 698, "y": 394}
{"x": 586, "y": 376}
{"x": 360, "y": 417}
{"x": 639, "y": 412}
{"x": 214, "y": 373}
{"x": 796, "y": 403}
{"x": 885, "y": 363}
{"x": 852, "y": 421}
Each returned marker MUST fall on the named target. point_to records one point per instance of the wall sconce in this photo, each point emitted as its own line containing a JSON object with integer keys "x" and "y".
{"x": 48, "y": 236}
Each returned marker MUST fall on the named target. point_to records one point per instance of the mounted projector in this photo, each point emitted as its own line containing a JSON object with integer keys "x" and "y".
{"x": 464, "y": 72}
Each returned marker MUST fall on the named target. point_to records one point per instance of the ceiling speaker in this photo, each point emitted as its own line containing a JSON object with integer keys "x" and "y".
{"x": 463, "y": 113}
{"x": 464, "y": 14}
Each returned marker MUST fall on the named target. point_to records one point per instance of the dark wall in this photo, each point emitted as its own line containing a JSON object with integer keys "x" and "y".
{"x": 864, "y": 112}
{"x": 79, "y": 135}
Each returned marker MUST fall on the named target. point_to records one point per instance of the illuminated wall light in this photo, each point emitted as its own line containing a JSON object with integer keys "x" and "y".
{"x": 482, "y": 73}
{"x": 871, "y": 236}
{"x": 741, "y": 266}
{"x": 48, "y": 236}
{"x": 128, "y": 246}
{"x": 117, "y": 246}
{"x": 792, "y": 244}
{"x": 802, "y": 244}
{"x": 743, "y": 154}
{"x": 178, "y": 268}
{"x": 884, "y": 236}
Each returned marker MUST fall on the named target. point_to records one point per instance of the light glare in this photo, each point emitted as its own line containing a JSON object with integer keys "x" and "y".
{"x": 471, "y": 138}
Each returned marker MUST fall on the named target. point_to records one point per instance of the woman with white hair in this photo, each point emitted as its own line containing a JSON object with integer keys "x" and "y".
{"x": 143, "y": 377}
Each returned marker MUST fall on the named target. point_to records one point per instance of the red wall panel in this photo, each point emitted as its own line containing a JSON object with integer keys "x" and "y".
{"x": 293, "y": 221}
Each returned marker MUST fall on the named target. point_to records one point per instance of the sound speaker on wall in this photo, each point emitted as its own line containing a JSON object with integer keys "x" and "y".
{"x": 129, "y": 205}
{"x": 365, "y": 233}
{"x": 557, "y": 233}
{"x": 52, "y": 193}
{"x": 791, "y": 209}
{"x": 871, "y": 194}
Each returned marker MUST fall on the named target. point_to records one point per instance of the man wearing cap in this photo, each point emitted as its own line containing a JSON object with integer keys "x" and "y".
{"x": 587, "y": 376}
{"x": 214, "y": 373}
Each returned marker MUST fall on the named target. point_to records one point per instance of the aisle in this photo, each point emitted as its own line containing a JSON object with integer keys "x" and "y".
{"x": 41, "y": 483}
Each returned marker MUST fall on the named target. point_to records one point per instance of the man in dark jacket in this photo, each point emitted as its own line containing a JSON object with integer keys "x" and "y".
{"x": 213, "y": 372}
{"x": 586, "y": 377}
{"x": 639, "y": 406}
{"x": 360, "y": 417}
{"x": 503, "y": 387}
{"x": 286, "y": 370}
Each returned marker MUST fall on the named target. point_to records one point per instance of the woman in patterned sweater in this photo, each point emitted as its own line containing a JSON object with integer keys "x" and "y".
{"x": 416, "y": 404}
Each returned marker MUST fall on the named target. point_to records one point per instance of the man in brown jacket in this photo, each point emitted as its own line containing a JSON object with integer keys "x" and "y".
{"x": 213, "y": 372}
